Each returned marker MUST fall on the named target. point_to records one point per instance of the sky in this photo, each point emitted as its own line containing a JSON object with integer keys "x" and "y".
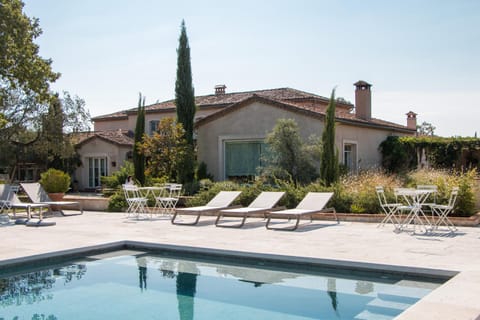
{"x": 421, "y": 56}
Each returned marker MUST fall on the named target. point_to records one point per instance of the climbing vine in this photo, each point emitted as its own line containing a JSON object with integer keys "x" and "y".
{"x": 405, "y": 153}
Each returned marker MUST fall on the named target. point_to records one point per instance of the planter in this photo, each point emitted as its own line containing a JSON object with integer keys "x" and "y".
{"x": 56, "y": 196}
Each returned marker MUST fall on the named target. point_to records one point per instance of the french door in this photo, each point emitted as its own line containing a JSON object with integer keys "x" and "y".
{"x": 97, "y": 167}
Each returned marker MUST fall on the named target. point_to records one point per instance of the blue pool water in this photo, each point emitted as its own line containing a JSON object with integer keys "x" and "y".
{"x": 140, "y": 285}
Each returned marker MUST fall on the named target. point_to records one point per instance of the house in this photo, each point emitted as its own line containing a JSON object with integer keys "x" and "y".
{"x": 101, "y": 153}
{"x": 231, "y": 128}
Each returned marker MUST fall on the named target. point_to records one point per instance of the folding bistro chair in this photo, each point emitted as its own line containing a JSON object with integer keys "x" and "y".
{"x": 443, "y": 210}
{"x": 137, "y": 204}
{"x": 167, "y": 202}
{"x": 390, "y": 209}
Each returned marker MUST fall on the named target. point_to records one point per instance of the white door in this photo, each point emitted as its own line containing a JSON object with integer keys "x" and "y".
{"x": 97, "y": 167}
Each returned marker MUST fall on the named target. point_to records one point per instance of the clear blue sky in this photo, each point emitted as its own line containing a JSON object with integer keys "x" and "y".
{"x": 422, "y": 56}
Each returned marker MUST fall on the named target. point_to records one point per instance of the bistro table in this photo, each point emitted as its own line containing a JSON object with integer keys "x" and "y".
{"x": 155, "y": 192}
{"x": 415, "y": 198}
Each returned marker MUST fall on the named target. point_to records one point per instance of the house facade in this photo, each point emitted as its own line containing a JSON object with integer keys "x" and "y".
{"x": 101, "y": 153}
{"x": 231, "y": 128}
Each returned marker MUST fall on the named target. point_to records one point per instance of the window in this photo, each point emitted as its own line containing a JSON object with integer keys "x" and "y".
{"x": 97, "y": 167}
{"x": 153, "y": 126}
{"x": 242, "y": 158}
{"x": 350, "y": 156}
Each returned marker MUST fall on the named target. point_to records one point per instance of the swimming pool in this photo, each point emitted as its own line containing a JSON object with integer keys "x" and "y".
{"x": 136, "y": 284}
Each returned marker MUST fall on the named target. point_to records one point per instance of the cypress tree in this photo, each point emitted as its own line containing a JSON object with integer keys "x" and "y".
{"x": 184, "y": 92}
{"x": 138, "y": 156}
{"x": 329, "y": 169}
{"x": 185, "y": 104}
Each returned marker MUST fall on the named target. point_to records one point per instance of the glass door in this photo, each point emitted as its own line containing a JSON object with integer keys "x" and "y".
{"x": 97, "y": 167}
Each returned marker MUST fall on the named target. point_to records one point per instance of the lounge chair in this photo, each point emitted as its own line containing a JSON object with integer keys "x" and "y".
{"x": 10, "y": 200}
{"x": 37, "y": 194}
{"x": 265, "y": 201}
{"x": 221, "y": 201}
{"x": 312, "y": 203}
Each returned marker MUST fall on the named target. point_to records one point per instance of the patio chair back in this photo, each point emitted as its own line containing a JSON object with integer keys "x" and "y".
{"x": 266, "y": 199}
{"x": 315, "y": 200}
{"x": 35, "y": 192}
{"x": 453, "y": 198}
{"x": 381, "y": 196}
{"x": 432, "y": 198}
{"x": 223, "y": 199}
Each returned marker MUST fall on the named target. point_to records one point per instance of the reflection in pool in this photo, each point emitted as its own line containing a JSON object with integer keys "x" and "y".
{"x": 140, "y": 285}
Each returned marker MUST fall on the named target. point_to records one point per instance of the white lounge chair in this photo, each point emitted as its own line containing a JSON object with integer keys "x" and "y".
{"x": 37, "y": 194}
{"x": 10, "y": 200}
{"x": 221, "y": 201}
{"x": 263, "y": 202}
{"x": 312, "y": 203}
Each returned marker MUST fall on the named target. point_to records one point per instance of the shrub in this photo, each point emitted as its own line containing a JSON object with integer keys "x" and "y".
{"x": 356, "y": 193}
{"x": 117, "y": 202}
{"x": 55, "y": 181}
{"x": 118, "y": 177}
{"x": 445, "y": 180}
{"x": 205, "y": 196}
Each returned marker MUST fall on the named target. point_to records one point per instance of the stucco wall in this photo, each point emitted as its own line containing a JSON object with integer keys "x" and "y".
{"x": 252, "y": 122}
{"x": 110, "y": 125}
{"x": 99, "y": 148}
{"x": 367, "y": 141}
{"x": 255, "y": 121}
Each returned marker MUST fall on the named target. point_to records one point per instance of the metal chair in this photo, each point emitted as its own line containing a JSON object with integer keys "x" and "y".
{"x": 168, "y": 202}
{"x": 443, "y": 210}
{"x": 137, "y": 204}
{"x": 390, "y": 209}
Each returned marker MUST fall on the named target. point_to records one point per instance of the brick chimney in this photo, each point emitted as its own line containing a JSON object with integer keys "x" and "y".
{"x": 220, "y": 89}
{"x": 363, "y": 100}
{"x": 412, "y": 120}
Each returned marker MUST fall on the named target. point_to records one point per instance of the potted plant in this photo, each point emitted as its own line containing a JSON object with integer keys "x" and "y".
{"x": 55, "y": 183}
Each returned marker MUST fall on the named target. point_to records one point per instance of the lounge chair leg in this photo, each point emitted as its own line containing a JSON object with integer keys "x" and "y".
{"x": 267, "y": 225}
{"x": 184, "y": 223}
{"x": 230, "y": 226}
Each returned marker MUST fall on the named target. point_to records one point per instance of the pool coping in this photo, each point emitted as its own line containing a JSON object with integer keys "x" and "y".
{"x": 306, "y": 262}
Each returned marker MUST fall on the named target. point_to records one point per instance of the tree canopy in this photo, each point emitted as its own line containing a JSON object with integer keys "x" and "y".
{"x": 138, "y": 155}
{"x": 165, "y": 150}
{"x": 184, "y": 92}
{"x": 21, "y": 66}
{"x": 185, "y": 105}
{"x": 289, "y": 157}
{"x": 329, "y": 169}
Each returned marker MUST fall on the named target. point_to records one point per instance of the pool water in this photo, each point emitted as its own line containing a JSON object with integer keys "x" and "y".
{"x": 141, "y": 285}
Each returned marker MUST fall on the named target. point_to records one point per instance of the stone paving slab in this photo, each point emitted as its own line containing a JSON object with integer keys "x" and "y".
{"x": 346, "y": 241}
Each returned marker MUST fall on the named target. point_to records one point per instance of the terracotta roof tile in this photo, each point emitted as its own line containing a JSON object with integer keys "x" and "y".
{"x": 119, "y": 137}
{"x": 227, "y": 99}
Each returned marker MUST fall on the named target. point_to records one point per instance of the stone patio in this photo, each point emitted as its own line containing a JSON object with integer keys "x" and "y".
{"x": 346, "y": 242}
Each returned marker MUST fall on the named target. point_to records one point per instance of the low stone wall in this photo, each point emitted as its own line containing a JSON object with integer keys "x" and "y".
{"x": 377, "y": 218}
{"x": 89, "y": 203}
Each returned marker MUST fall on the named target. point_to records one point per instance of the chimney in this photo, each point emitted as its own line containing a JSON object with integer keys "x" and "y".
{"x": 412, "y": 120}
{"x": 220, "y": 89}
{"x": 363, "y": 100}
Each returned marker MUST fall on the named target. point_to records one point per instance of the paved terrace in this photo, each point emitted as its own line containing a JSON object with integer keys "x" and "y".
{"x": 347, "y": 241}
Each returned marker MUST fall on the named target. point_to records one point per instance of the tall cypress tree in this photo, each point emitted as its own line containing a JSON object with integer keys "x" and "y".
{"x": 329, "y": 169}
{"x": 185, "y": 104}
{"x": 184, "y": 92}
{"x": 138, "y": 156}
